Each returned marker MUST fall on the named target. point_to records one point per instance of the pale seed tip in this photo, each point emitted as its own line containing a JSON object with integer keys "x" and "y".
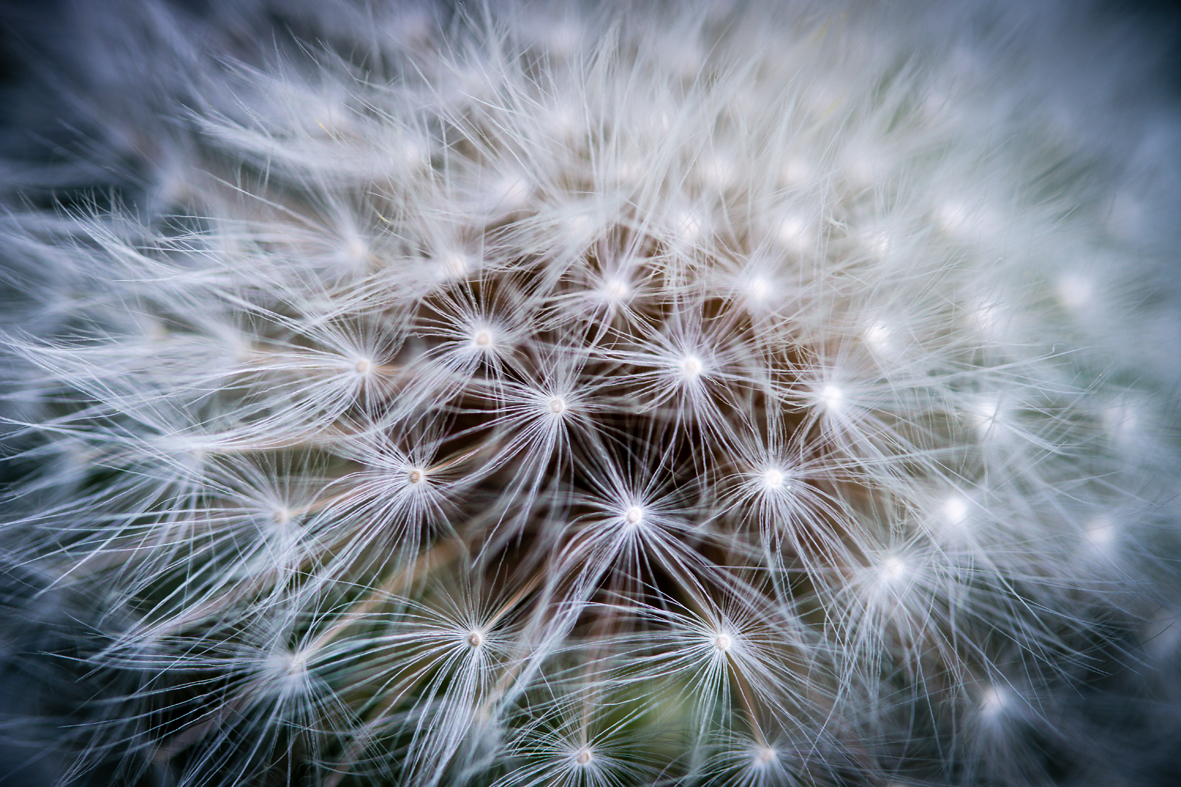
{"x": 773, "y": 479}
{"x": 893, "y": 567}
{"x": 832, "y": 397}
{"x": 617, "y": 289}
{"x": 955, "y": 509}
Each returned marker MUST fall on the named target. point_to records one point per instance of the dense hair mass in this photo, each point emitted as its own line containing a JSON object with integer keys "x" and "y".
{"x": 590, "y": 395}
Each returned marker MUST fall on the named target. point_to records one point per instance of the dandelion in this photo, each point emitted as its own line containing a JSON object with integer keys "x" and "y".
{"x": 529, "y": 393}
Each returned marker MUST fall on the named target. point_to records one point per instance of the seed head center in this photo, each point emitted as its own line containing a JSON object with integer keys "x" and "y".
{"x": 617, "y": 289}
{"x": 893, "y": 567}
{"x": 955, "y": 510}
{"x": 832, "y": 397}
{"x": 993, "y": 700}
{"x": 757, "y": 289}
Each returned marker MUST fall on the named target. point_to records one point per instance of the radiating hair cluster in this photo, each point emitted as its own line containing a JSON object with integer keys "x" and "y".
{"x": 523, "y": 394}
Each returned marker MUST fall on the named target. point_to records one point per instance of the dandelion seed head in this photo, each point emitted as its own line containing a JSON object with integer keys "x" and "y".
{"x": 691, "y": 367}
{"x": 773, "y": 479}
{"x": 580, "y": 228}
{"x": 877, "y": 336}
{"x": 356, "y": 250}
{"x": 1101, "y": 534}
{"x": 552, "y": 374}
{"x": 759, "y": 290}
{"x": 297, "y": 664}
{"x": 616, "y": 289}
{"x": 832, "y": 398}
{"x": 1075, "y": 290}
{"x": 483, "y": 339}
{"x": 954, "y": 509}
{"x": 454, "y": 265}
{"x": 994, "y": 701}
{"x": 286, "y": 671}
{"x": 414, "y": 153}
{"x": 792, "y": 231}
{"x": 893, "y": 568}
